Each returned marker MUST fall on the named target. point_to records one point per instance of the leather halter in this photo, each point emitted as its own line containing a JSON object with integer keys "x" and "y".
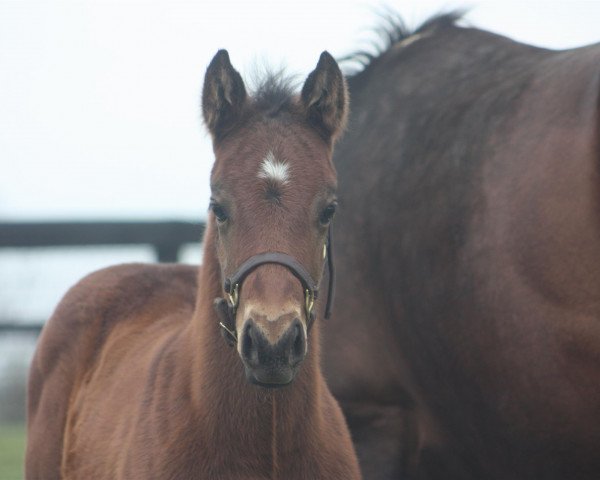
{"x": 226, "y": 309}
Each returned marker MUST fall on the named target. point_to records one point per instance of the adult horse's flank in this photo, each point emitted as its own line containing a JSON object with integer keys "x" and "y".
{"x": 131, "y": 378}
{"x": 469, "y": 260}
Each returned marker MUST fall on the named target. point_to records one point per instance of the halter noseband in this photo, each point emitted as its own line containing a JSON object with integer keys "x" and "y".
{"x": 226, "y": 309}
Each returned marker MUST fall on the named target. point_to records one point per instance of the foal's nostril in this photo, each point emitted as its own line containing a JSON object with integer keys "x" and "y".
{"x": 298, "y": 345}
{"x": 249, "y": 350}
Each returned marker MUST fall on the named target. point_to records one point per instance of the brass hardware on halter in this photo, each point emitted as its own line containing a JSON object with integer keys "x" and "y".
{"x": 232, "y": 334}
{"x": 309, "y": 302}
{"x": 233, "y": 297}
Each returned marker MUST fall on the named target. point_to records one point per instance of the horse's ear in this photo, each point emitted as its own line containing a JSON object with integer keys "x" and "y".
{"x": 325, "y": 98}
{"x": 223, "y": 95}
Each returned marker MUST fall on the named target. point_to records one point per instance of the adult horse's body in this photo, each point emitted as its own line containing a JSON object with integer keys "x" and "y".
{"x": 465, "y": 342}
{"x": 131, "y": 378}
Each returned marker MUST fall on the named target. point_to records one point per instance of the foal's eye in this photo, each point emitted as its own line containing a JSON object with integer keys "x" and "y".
{"x": 327, "y": 213}
{"x": 220, "y": 212}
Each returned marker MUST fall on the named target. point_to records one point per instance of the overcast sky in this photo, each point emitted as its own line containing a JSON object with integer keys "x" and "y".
{"x": 99, "y": 101}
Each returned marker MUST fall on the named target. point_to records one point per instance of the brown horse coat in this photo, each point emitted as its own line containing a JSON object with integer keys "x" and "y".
{"x": 465, "y": 341}
{"x": 131, "y": 378}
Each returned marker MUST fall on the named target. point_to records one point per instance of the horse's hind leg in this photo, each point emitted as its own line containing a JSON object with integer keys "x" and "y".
{"x": 51, "y": 381}
{"x": 385, "y": 439}
{"x": 46, "y": 415}
{"x": 390, "y": 446}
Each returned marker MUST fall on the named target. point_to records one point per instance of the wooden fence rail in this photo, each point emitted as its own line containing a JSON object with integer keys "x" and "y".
{"x": 166, "y": 238}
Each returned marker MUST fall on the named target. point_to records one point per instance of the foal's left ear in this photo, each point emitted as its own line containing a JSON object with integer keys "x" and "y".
{"x": 325, "y": 98}
{"x": 223, "y": 95}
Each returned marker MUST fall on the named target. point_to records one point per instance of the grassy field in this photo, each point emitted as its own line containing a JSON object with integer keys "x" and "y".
{"x": 12, "y": 450}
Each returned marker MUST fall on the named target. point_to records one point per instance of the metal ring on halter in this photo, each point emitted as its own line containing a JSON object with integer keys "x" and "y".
{"x": 233, "y": 296}
{"x": 309, "y": 303}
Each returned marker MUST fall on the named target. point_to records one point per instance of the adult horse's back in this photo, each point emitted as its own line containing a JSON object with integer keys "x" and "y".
{"x": 466, "y": 337}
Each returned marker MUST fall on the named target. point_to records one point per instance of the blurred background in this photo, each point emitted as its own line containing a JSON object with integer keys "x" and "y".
{"x": 100, "y": 123}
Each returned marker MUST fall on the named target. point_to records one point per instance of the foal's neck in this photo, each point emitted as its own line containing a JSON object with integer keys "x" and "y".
{"x": 223, "y": 396}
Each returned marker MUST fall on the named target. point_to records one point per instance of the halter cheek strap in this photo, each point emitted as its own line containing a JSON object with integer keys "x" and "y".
{"x": 226, "y": 309}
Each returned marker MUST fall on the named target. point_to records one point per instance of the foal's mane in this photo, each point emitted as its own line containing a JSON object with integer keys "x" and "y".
{"x": 391, "y": 31}
{"x": 273, "y": 91}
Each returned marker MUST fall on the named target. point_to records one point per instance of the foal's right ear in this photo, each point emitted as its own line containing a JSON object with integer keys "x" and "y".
{"x": 223, "y": 95}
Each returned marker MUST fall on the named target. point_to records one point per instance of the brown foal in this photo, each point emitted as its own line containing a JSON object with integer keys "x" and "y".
{"x": 131, "y": 378}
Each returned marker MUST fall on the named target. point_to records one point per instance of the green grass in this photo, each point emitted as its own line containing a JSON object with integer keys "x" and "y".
{"x": 12, "y": 451}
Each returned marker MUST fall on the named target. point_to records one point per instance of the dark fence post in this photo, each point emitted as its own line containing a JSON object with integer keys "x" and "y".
{"x": 167, "y": 253}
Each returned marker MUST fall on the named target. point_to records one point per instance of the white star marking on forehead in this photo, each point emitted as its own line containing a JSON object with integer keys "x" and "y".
{"x": 274, "y": 170}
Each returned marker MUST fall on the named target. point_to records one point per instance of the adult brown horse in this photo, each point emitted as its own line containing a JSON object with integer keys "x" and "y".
{"x": 465, "y": 342}
{"x": 131, "y": 378}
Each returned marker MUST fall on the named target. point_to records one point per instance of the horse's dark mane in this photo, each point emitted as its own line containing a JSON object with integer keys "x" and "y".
{"x": 274, "y": 91}
{"x": 389, "y": 32}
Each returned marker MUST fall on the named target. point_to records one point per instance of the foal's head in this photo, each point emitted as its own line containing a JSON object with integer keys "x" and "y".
{"x": 273, "y": 191}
